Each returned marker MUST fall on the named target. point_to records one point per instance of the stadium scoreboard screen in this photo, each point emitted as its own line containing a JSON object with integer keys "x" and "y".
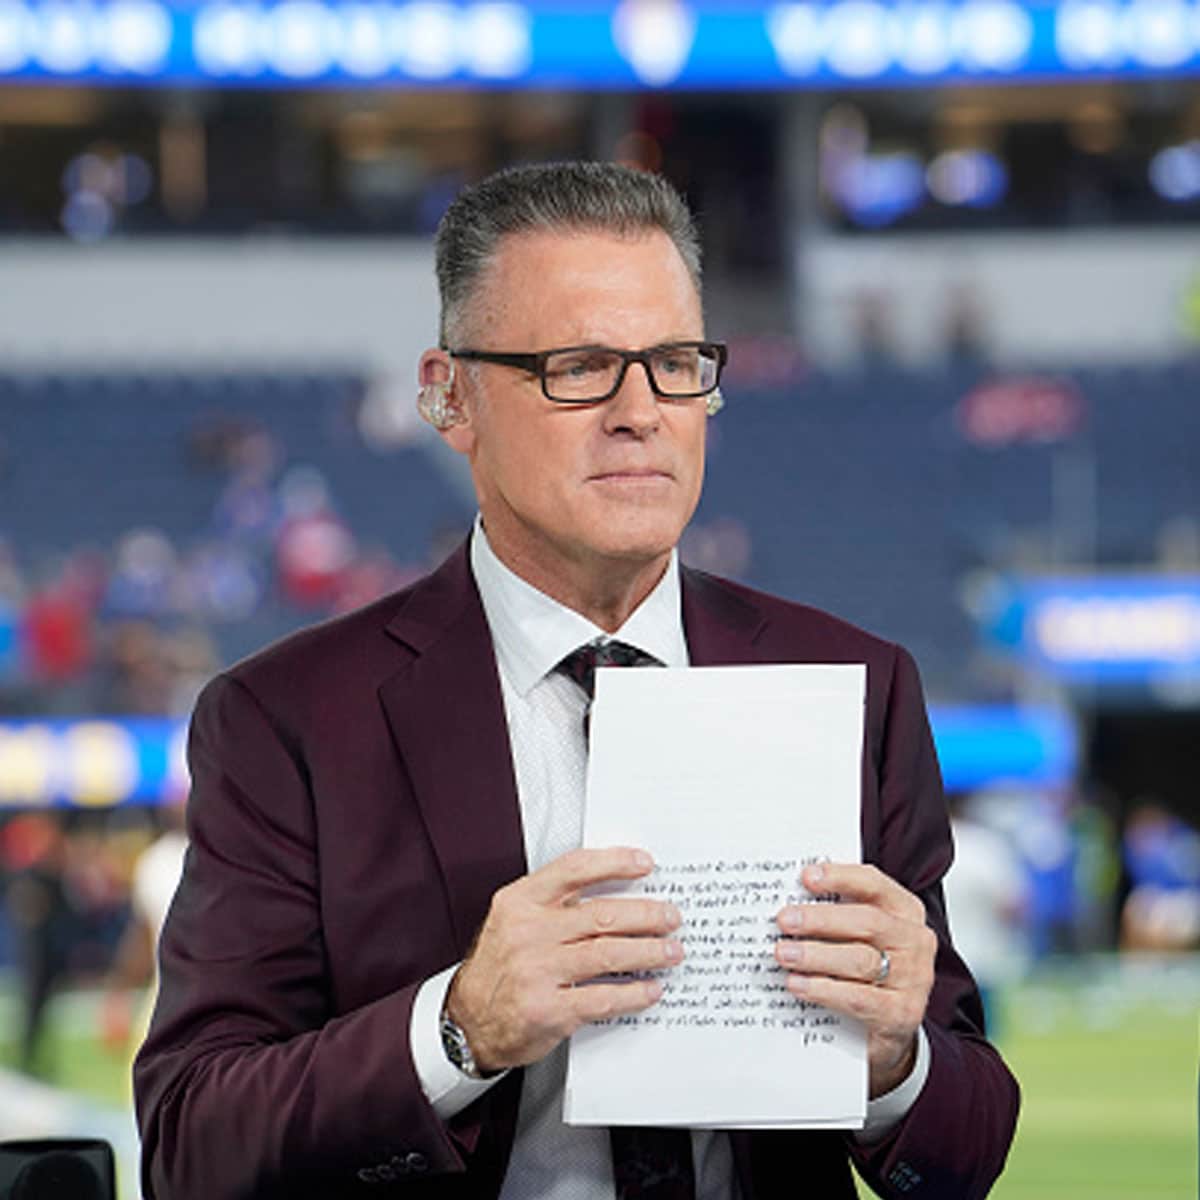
{"x": 634, "y": 44}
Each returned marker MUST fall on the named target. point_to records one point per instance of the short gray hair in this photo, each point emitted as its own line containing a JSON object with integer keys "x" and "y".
{"x": 568, "y": 195}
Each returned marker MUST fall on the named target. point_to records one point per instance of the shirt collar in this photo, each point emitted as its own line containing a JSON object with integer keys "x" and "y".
{"x": 532, "y": 633}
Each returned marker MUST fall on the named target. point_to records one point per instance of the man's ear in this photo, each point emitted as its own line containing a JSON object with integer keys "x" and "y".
{"x": 436, "y": 399}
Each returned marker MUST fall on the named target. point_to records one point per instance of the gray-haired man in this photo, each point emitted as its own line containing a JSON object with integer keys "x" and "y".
{"x": 369, "y": 972}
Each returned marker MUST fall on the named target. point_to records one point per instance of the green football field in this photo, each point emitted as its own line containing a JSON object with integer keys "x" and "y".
{"x": 1107, "y": 1062}
{"x": 1106, "y": 1054}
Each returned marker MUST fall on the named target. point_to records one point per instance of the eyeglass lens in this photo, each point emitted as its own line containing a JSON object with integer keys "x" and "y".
{"x": 591, "y": 374}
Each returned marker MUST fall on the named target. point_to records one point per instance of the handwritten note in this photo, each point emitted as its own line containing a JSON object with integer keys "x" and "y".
{"x": 730, "y": 979}
{"x": 733, "y": 778}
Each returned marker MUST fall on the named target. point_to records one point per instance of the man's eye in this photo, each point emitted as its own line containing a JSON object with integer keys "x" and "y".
{"x": 579, "y": 366}
{"x": 677, "y": 363}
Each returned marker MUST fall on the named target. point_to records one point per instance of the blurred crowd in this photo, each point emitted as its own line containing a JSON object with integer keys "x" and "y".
{"x": 135, "y": 628}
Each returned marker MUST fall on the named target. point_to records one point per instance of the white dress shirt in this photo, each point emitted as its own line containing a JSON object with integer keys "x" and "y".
{"x": 544, "y": 709}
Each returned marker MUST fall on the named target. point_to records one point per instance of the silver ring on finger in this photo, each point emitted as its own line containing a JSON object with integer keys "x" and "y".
{"x": 885, "y": 968}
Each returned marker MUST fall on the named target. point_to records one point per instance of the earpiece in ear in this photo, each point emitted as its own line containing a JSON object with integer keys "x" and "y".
{"x": 433, "y": 403}
{"x": 715, "y": 402}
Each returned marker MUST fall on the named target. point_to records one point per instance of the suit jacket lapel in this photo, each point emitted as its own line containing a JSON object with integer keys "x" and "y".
{"x": 446, "y": 715}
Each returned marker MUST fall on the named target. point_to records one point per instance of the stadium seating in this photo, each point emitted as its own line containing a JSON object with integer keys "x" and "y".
{"x": 858, "y": 491}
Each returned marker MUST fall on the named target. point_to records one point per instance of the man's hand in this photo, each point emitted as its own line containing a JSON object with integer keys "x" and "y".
{"x": 515, "y": 996}
{"x": 833, "y": 955}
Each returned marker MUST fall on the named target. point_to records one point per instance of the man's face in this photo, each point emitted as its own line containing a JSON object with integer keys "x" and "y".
{"x": 569, "y": 491}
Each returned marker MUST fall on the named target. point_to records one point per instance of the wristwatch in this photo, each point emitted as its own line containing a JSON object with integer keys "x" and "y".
{"x": 458, "y": 1049}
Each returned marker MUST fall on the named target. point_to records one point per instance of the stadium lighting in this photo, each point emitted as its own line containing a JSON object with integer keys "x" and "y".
{"x": 967, "y": 178}
{"x": 1175, "y": 172}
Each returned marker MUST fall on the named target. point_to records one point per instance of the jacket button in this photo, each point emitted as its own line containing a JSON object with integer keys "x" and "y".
{"x": 368, "y": 1176}
{"x": 384, "y": 1173}
{"x": 417, "y": 1162}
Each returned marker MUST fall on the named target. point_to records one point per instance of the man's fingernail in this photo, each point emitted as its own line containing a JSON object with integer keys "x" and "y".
{"x": 797, "y": 984}
{"x": 814, "y": 874}
{"x": 673, "y": 915}
{"x": 642, "y": 859}
{"x": 791, "y": 918}
{"x": 654, "y": 989}
{"x": 674, "y": 951}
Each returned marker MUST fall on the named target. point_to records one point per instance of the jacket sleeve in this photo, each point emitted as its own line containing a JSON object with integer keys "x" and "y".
{"x": 250, "y": 1084}
{"x": 952, "y": 1143}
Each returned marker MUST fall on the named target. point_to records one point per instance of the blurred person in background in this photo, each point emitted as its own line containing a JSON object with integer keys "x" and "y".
{"x": 1162, "y": 860}
{"x": 1097, "y": 872}
{"x": 130, "y": 987}
{"x": 369, "y": 969}
{"x": 247, "y": 510}
{"x": 97, "y": 879}
{"x": 1048, "y": 848}
{"x": 142, "y": 584}
{"x": 133, "y": 677}
{"x": 44, "y": 920}
{"x": 986, "y": 903}
{"x": 314, "y": 547}
{"x": 193, "y": 659}
{"x": 58, "y": 630}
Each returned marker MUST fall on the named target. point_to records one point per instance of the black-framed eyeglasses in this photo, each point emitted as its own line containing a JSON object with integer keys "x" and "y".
{"x": 590, "y": 374}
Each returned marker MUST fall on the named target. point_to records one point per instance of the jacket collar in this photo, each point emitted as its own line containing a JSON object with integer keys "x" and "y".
{"x": 722, "y": 624}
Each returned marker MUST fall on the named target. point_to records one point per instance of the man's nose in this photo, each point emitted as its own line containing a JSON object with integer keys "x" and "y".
{"x": 635, "y": 406}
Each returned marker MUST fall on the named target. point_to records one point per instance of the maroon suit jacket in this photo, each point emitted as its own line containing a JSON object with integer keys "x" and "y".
{"x": 353, "y": 809}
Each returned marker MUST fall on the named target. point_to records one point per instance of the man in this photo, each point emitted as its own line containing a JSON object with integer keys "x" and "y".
{"x": 367, "y": 975}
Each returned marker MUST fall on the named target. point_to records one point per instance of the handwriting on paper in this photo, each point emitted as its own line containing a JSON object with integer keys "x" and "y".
{"x": 729, "y": 977}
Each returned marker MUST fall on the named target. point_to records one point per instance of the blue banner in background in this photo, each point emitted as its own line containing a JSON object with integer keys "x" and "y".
{"x": 983, "y": 746}
{"x": 1107, "y": 630}
{"x": 634, "y": 44}
{"x": 98, "y": 763}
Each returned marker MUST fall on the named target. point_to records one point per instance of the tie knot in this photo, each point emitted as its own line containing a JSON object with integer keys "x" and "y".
{"x": 580, "y": 665}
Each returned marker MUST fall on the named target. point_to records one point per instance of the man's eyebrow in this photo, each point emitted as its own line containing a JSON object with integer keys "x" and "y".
{"x": 682, "y": 339}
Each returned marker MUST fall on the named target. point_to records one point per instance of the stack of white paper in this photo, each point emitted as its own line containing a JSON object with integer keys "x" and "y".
{"x": 732, "y": 778}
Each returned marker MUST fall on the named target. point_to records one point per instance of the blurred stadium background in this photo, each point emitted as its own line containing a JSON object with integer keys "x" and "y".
{"x": 955, "y": 248}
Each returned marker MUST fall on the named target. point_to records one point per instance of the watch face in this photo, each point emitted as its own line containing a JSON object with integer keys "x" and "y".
{"x": 454, "y": 1042}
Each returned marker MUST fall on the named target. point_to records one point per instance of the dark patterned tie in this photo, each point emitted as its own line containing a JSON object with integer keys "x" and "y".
{"x": 648, "y": 1163}
{"x": 580, "y": 665}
